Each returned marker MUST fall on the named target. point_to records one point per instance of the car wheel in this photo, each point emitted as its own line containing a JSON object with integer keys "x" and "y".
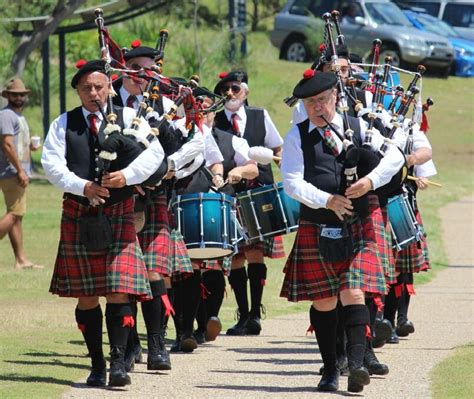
{"x": 392, "y": 52}
{"x": 295, "y": 50}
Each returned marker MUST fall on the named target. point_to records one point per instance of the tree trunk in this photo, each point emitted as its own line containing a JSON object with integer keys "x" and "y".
{"x": 255, "y": 16}
{"x": 42, "y": 30}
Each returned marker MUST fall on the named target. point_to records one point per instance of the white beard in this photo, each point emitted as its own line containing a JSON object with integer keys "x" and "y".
{"x": 233, "y": 104}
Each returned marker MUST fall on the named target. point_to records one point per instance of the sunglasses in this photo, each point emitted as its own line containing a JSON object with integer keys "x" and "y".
{"x": 235, "y": 89}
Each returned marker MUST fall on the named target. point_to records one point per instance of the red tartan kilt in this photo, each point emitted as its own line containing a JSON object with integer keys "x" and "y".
{"x": 118, "y": 269}
{"x": 384, "y": 242}
{"x": 271, "y": 247}
{"x": 155, "y": 237}
{"x": 309, "y": 277}
{"x": 414, "y": 258}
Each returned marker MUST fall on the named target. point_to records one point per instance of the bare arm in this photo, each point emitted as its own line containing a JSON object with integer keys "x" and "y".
{"x": 9, "y": 149}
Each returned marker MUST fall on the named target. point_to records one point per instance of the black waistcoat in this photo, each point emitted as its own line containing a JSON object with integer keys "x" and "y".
{"x": 322, "y": 169}
{"x": 117, "y": 100}
{"x": 224, "y": 142}
{"x": 254, "y": 134}
{"x": 82, "y": 153}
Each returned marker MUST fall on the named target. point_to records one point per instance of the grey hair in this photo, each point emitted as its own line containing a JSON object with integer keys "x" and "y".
{"x": 244, "y": 86}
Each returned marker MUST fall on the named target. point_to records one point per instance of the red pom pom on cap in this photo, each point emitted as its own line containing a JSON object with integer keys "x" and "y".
{"x": 136, "y": 43}
{"x": 80, "y": 63}
{"x": 322, "y": 47}
{"x": 222, "y": 75}
{"x": 309, "y": 73}
{"x": 114, "y": 77}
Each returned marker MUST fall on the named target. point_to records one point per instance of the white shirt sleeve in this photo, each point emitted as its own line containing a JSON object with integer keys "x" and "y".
{"x": 212, "y": 154}
{"x": 389, "y": 165}
{"x": 54, "y": 161}
{"x": 241, "y": 148}
{"x": 188, "y": 151}
{"x": 292, "y": 170}
{"x": 272, "y": 136}
{"x": 427, "y": 169}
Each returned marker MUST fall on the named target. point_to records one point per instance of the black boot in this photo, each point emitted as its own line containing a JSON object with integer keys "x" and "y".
{"x": 119, "y": 319}
{"x": 133, "y": 351}
{"x": 158, "y": 357}
{"x": 404, "y": 326}
{"x": 201, "y": 315}
{"x": 356, "y": 319}
{"x": 214, "y": 282}
{"x": 324, "y": 324}
{"x": 191, "y": 296}
{"x": 238, "y": 282}
{"x": 90, "y": 323}
{"x": 372, "y": 363}
{"x": 257, "y": 276}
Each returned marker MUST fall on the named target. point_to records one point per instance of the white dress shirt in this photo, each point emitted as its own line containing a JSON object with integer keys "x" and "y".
{"x": 212, "y": 154}
{"x": 292, "y": 165}
{"x": 124, "y": 94}
{"x": 272, "y": 136}
{"x": 54, "y": 155}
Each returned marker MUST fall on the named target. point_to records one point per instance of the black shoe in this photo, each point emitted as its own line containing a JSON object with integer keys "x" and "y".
{"x": 176, "y": 345}
{"x": 213, "y": 328}
{"x": 158, "y": 356}
{"x": 373, "y": 365}
{"x": 393, "y": 338}
{"x": 382, "y": 329}
{"x": 358, "y": 377}
{"x": 341, "y": 364}
{"x": 239, "y": 328}
{"x": 97, "y": 377}
{"x": 118, "y": 376}
{"x": 404, "y": 328}
{"x": 253, "y": 325}
{"x": 329, "y": 382}
{"x": 188, "y": 343}
{"x": 132, "y": 356}
{"x": 378, "y": 343}
{"x": 199, "y": 336}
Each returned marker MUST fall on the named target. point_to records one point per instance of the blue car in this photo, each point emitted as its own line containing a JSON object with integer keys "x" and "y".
{"x": 393, "y": 80}
{"x": 464, "y": 60}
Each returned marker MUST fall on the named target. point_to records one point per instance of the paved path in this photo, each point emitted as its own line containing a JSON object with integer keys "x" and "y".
{"x": 283, "y": 362}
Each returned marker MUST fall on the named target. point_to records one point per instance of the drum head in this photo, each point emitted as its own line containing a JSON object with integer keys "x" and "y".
{"x": 209, "y": 253}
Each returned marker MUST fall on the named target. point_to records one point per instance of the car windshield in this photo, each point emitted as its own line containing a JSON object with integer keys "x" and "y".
{"x": 436, "y": 26}
{"x": 386, "y": 13}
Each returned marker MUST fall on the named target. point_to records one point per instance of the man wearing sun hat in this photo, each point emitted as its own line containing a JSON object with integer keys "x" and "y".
{"x": 255, "y": 126}
{"x": 335, "y": 253}
{"x": 15, "y": 167}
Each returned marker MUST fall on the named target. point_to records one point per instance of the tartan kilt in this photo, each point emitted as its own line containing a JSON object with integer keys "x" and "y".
{"x": 271, "y": 247}
{"x": 383, "y": 234}
{"x": 179, "y": 258}
{"x": 118, "y": 269}
{"x": 155, "y": 237}
{"x": 309, "y": 277}
{"x": 223, "y": 264}
{"x": 414, "y": 258}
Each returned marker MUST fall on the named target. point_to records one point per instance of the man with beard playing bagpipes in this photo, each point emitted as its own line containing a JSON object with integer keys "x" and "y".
{"x": 335, "y": 251}
{"x": 98, "y": 253}
{"x": 255, "y": 126}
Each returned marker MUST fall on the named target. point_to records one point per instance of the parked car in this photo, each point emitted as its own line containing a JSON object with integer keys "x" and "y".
{"x": 458, "y": 13}
{"x": 370, "y": 19}
{"x": 464, "y": 59}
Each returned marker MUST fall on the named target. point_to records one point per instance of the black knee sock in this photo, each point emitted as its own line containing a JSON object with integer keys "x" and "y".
{"x": 324, "y": 324}
{"x": 340, "y": 331}
{"x": 369, "y": 302}
{"x": 191, "y": 296}
{"x": 257, "y": 273}
{"x": 238, "y": 282}
{"x": 178, "y": 308}
{"x": 90, "y": 323}
{"x": 404, "y": 301}
{"x": 356, "y": 319}
{"x": 153, "y": 310}
{"x": 119, "y": 320}
{"x": 392, "y": 298}
{"x": 215, "y": 283}
{"x": 201, "y": 315}
{"x": 133, "y": 338}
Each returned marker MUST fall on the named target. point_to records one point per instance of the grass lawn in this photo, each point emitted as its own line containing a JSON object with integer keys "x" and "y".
{"x": 41, "y": 351}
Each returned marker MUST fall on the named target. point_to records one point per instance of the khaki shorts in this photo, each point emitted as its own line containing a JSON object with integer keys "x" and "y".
{"x": 15, "y": 196}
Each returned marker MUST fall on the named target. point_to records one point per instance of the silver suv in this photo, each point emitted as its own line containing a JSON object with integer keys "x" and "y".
{"x": 362, "y": 22}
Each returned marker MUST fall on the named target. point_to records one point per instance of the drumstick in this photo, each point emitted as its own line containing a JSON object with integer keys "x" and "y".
{"x": 429, "y": 182}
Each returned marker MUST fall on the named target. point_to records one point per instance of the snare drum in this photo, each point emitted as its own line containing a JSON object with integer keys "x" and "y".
{"x": 208, "y": 224}
{"x": 405, "y": 228}
{"x": 267, "y": 212}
